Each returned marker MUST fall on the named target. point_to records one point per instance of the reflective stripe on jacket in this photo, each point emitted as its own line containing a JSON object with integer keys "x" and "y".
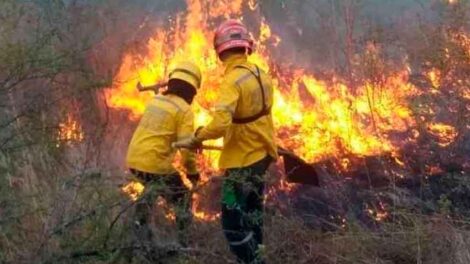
{"x": 167, "y": 118}
{"x": 240, "y": 97}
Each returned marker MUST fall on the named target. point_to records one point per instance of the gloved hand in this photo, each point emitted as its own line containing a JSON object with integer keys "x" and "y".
{"x": 194, "y": 178}
{"x": 188, "y": 143}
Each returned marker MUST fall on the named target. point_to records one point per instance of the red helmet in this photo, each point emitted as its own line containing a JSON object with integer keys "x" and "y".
{"x": 232, "y": 34}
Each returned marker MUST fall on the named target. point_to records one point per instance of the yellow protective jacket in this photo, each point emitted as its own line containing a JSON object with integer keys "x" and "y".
{"x": 167, "y": 118}
{"x": 240, "y": 97}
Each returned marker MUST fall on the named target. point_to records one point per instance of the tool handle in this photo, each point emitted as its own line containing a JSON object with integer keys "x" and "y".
{"x": 204, "y": 147}
{"x": 155, "y": 88}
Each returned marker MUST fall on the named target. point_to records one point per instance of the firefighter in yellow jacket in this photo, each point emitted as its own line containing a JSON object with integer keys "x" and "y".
{"x": 243, "y": 117}
{"x": 167, "y": 118}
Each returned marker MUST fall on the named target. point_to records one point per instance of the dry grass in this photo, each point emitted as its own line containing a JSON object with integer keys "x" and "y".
{"x": 422, "y": 239}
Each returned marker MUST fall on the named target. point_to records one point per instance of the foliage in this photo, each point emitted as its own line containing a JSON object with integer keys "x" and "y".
{"x": 60, "y": 200}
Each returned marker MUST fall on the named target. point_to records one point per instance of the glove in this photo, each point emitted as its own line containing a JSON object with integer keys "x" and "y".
{"x": 188, "y": 143}
{"x": 194, "y": 178}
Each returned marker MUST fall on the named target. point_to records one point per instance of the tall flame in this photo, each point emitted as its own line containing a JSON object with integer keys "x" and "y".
{"x": 314, "y": 118}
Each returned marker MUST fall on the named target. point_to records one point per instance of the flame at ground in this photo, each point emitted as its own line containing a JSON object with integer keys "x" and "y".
{"x": 315, "y": 119}
{"x": 446, "y": 134}
{"x": 69, "y": 131}
{"x": 134, "y": 189}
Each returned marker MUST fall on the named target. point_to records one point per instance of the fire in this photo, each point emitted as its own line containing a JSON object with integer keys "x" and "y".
{"x": 169, "y": 212}
{"x": 134, "y": 189}
{"x": 201, "y": 214}
{"x": 338, "y": 121}
{"x": 434, "y": 76}
{"x": 446, "y": 134}
{"x": 327, "y": 120}
{"x": 69, "y": 131}
{"x": 379, "y": 214}
{"x": 266, "y": 35}
{"x": 316, "y": 119}
{"x": 286, "y": 186}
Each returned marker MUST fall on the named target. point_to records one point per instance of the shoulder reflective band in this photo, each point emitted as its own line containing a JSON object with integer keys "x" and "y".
{"x": 265, "y": 110}
{"x": 188, "y": 73}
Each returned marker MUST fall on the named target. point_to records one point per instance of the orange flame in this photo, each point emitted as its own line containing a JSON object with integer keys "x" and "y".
{"x": 169, "y": 212}
{"x": 327, "y": 120}
{"x": 446, "y": 134}
{"x": 134, "y": 189}
{"x": 316, "y": 119}
{"x": 69, "y": 131}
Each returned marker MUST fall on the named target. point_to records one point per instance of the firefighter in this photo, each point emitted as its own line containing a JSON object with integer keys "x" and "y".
{"x": 167, "y": 118}
{"x": 243, "y": 117}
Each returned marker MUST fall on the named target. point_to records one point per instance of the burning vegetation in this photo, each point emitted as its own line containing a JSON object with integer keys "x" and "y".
{"x": 69, "y": 132}
{"x": 332, "y": 122}
{"x": 316, "y": 119}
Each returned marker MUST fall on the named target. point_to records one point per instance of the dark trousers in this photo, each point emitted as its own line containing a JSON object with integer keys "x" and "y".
{"x": 242, "y": 210}
{"x": 173, "y": 190}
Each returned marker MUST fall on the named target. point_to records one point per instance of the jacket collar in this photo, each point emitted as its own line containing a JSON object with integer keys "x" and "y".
{"x": 233, "y": 61}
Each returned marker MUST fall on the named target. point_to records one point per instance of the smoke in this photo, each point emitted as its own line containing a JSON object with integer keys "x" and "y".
{"x": 318, "y": 34}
